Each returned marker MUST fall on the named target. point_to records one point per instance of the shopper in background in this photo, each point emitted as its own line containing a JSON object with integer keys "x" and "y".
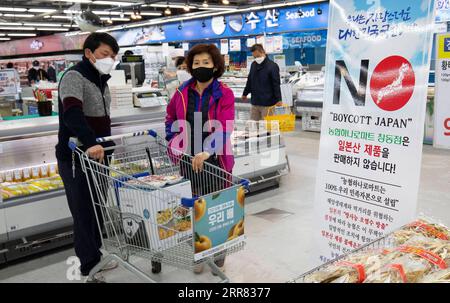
{"x": 84, "y": 112}
{"x": 180, "y": 63}
{"x": 19, "y": 104}
{"x": 36, "y": 73}
{"x": 51, "y": 72}
{"x": 195, "y": 103}
{"x": 263, "y": 84}
{"x": 182, "y": 73}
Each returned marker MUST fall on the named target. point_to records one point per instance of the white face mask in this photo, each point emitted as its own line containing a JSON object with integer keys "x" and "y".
{"x": 183, "y": 76}
{"x": 36, "y": 67}
{"x": 105, "y": 65}
{"x": 259, "y": 60}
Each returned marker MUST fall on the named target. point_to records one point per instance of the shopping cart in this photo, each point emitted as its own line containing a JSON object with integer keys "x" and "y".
{"x": 153, "y": 218}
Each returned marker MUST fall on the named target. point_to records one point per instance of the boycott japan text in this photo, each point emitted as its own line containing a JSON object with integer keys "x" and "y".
{"x": 366, "y": 120}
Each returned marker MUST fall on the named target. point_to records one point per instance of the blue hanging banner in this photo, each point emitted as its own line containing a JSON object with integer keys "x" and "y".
{"x": 292, "y": 19}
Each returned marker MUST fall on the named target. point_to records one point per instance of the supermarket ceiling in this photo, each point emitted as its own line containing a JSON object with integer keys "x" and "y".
{"x": 29, "y": 18}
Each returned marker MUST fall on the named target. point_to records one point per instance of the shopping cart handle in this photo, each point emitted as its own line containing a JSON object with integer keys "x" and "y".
{"x": 188, "y": 202}
{"x": 74, "y": 142}
{"x": 245, "y": 183}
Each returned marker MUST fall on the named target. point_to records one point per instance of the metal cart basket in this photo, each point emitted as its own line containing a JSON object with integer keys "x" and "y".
{"x": 153, "y": 218}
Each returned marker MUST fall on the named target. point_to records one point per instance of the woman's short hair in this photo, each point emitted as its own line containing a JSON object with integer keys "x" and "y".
{"x": 179, "y": 60}
{"x": 215, "y": 54}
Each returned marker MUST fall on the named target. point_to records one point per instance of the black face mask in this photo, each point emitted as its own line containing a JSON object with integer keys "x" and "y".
{"x": 203, "y": 74}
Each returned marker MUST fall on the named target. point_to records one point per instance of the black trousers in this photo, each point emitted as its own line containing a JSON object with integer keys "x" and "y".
{"x": 87, "y": 238}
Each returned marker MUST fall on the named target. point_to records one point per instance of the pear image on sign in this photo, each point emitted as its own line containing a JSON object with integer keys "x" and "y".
{"x": 199, "y": 209}
{"x": 236, "y": 231}
{"x": 202, "y": 243}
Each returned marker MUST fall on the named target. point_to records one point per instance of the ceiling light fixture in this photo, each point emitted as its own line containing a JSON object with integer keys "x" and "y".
{"x": 41, "y": 10}
{"x": 205, "y": 4}
{"x": 41, "y": 24}
{"x": 319, "y": 11}
{"x": 75, "y": 1}
{"x": 17, "y": 28}
{"x": 19, "y": 15}
{"x": 50, "y": 29}
{"x": 186, "y": 7}
{"x": 21, "y": 35}
{"x": 168, "y": 12}
{"x": 112, "y": 3}
{"x": 12, "y": 9}
{"x": 5, "y": 39}
{"x": 10, "y": 23}
{"x": 225, "y": 2}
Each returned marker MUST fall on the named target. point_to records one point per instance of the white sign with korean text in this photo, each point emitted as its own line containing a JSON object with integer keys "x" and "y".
{"x": 442, "y": 90}
{"x": 378, "y": 58}
{"x": 8, "y": 82}
{"x": 224, "y": 46}
{"x": 235, "y": 45}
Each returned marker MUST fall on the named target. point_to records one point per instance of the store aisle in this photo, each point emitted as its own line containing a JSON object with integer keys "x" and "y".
{"x": 279, "y": 225}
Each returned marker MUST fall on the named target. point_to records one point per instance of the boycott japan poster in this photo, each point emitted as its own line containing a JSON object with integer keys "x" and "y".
{"x": 378, "y": 58}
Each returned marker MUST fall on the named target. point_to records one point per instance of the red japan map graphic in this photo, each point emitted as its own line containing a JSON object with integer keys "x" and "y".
{"x": 392, "y": 83}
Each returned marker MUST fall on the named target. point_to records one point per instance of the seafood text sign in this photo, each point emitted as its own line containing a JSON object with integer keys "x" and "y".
{"x": 441, "y": 100}
{"x": 378, "y": 58}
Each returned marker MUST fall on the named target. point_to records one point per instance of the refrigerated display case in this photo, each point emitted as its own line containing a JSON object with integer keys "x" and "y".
{"x": 260, "y": 156}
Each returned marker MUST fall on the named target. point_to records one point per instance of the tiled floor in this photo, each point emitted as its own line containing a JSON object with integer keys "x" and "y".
{"x": 278, "y": 226}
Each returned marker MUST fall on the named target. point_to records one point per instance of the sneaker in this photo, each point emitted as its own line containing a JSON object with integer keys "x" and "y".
{"x": 113, "y": 264}
{"x": 97, "y": 278}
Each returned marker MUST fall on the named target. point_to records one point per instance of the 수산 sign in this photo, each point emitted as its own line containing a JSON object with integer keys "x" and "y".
{"x": 378, "y": 58}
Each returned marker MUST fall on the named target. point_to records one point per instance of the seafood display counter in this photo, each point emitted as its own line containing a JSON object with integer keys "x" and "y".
{"x": 34, "y": 214}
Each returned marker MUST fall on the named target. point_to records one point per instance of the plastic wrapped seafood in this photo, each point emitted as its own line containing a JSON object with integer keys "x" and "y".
{"x": 412, "y": 261}
{"x": 423, "y": 227}
{"x": 352, "y": 269}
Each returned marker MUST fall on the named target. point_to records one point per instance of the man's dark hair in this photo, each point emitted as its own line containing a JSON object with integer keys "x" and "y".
{"x": 179, "y": 60}
{"x": 94, "y": 40}
{"x": 128, "y": 52}
{"x": 215, "y": 54}
{"x": 9, "y": 65}
{"x": 257, "y": 47}
{"x": 35, "y": 63}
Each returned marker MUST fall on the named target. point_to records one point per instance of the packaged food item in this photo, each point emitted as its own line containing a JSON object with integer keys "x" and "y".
{"x": 442, "y": 276}
{"x": 52, "y": 171}
{"x": 411, "y": 262}
{"x": 44, "y": 171}
{"x": 352, "y": 269}
{"x": 26, "y": 173}
{"x": 8, "y": 176}
{"x": 18, "y": 175}
{"x": 429, "y": 229}
{"x": 404, "y": 269}
{"x": 5, "y": 194}
{"x": 35, "y": 172}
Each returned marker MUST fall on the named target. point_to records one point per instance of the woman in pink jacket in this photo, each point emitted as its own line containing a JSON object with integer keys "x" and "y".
{"x": 200, "y": 119}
